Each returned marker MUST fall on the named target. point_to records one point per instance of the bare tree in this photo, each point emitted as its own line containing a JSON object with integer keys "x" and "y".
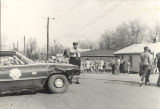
{"x": 137, "y": 31}
{"x": 154, "y": 32}
{"x": 56, "y": 47}
{"x": 124, "y": 35}
{"x": 4, "y": 43}
{"x": 31, "y": 47}
{"x": 87, "y": 44}
{"x": 107, "y": 40}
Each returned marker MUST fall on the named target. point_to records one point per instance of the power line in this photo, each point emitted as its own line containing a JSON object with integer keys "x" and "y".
{"x": 100, "y": 17}
{"x": 74, "y": 7}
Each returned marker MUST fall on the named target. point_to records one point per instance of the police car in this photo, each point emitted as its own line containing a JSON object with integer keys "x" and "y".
{"x": 19, "y": 72}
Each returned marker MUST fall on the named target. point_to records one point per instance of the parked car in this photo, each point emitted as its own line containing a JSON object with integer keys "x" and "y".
{"x": 18, "y": 72}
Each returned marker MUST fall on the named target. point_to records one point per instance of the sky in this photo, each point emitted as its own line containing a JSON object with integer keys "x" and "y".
{"x": 74, "y": 19}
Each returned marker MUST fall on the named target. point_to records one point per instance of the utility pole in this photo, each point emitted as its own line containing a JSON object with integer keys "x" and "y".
{"x": 24, "y": 46}
{"x": 48, "y": 36}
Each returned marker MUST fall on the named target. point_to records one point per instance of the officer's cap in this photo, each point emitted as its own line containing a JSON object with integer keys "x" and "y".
{"x": 146, "y": 48}
{"x": 75, "y": 43}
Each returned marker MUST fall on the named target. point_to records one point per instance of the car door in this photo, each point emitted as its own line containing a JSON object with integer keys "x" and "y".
{"x": 14, "y": 76}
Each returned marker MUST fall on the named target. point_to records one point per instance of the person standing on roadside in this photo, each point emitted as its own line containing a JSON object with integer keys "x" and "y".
{"x": 122, "y": 62}
{"x": 117, "y": 65}
{"x": 145, "y": 61}
{"x": 88, "y": 62}
{"x": 104, "y": 67}
{"x": 150, "y": 66}
{"x": 158, "y": 66}
{"x": 101, "y": 63}
{"x": 113, "y": 65}
{"x": 128, "y": 66}
{"x": 96, "y": 64}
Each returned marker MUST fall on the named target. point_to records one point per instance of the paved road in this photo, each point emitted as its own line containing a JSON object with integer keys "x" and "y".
{"x": 96, "y": 91}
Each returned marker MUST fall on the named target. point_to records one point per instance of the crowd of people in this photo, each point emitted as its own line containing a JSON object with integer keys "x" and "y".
{"x": 118, "y": 65}
{"x": 98, "y": 65}
{"x": 147, "y": 64}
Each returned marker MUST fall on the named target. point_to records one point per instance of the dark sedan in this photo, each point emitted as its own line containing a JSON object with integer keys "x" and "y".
{"x": 18, "y": 72}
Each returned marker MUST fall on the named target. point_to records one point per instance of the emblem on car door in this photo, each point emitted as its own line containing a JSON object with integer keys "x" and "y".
{"x": 15, "y": 74}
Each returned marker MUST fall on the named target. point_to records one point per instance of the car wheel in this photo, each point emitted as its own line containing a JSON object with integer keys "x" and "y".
{"x": 58, "y": 84}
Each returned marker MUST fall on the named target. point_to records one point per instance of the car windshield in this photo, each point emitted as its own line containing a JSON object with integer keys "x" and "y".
{"x": 24, "y": 58}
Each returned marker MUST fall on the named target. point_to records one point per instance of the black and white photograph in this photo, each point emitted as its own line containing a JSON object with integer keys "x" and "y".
{"x": 79, "y": 54}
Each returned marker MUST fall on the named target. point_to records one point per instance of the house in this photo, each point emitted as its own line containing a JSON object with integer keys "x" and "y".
{"x": 105, "y": 55}
{"x": 132, "y": 53}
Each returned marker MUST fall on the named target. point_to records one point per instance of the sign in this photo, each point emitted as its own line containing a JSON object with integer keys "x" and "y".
{"x": 15, "y": 74}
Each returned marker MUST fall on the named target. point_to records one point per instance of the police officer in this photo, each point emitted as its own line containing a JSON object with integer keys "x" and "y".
{"x": 75, "y": 56}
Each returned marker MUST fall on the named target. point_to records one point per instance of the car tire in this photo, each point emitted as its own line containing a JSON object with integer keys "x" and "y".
{"x": 58, "y": 84}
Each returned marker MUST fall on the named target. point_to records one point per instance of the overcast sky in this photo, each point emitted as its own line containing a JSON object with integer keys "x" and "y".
{"x": 74, "y": 19}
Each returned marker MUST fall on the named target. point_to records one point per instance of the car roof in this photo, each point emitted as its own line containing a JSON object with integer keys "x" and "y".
{"x": 7, "y": 53}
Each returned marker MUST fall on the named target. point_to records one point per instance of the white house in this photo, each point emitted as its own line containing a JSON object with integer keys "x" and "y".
{"x": 133, "y": 52}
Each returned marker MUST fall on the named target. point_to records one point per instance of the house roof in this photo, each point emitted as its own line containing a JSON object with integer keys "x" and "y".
{"x": 139, "y": 48}
{"x": 98, "y": 53}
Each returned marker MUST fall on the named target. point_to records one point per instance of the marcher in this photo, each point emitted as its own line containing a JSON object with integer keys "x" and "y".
{"x": 158, "y": 66}
{"x": 100, "y": 66}
{"x": 145, "y": 61}
{"x": 88, "y": 64}
{"x": 113, "y": 65}
{"x": 122, "y": 63}
{"x": 117, "y": 65}
{"x": 75, "y": 56}
{"x": 94, "y": 67}
{"x": 150, "y": 66}
{"x": 96, "y": 64}
{"x": 128, "y": 66}
{"x": 82, "y": 67}
{"x": 140, "y": 70}
{"x": 91, "y": 66}
{"x": 104, "y": 67}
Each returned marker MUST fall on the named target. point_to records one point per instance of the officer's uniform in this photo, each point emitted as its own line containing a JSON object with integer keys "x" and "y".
{"x": 75, "y": 57}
